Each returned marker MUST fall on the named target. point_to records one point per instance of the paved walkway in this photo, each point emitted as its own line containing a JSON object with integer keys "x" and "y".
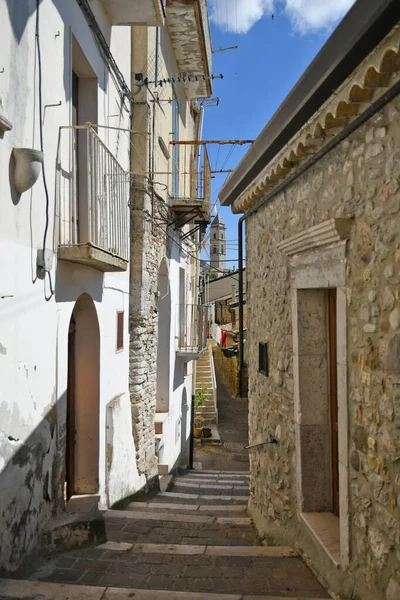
{"x": 233, "y": 430}
{"x": 195, "y": 542}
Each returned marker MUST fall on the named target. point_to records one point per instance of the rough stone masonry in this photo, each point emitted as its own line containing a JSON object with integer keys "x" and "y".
{"x": 360, "y": 180}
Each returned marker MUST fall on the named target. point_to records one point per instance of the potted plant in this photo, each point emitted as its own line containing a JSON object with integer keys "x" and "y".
{"x": 198, "y": 426}
{"x": 200, "y": 397}
{"x": 207, "y": 432}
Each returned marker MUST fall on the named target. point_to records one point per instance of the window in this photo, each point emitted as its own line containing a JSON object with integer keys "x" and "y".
{"x": 214, "y": 251}
{"x": 215, "y": 236}
{"x": 222, "y": 236}
{"x": 120, "y": 330}
{"x": 263, "y": 363}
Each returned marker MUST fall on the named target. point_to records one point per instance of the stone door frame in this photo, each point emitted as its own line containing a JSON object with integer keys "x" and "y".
{"x": 317, "y": 258}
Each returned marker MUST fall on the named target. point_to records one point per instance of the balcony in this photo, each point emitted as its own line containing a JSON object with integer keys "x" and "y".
{"x": 191, "y": 184}
{"x": 189, "y": 30}
{"x": 136, "y": 12}
{"x": 192, "y": 340}
{"x": 93, "y": 192}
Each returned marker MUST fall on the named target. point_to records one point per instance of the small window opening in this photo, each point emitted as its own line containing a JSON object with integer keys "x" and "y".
{"x": 120, "y": 330}
{"x": 263, "y": 363}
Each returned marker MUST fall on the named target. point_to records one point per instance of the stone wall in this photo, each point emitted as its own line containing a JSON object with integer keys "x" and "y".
{"x": 227, "y": 369}
{"x": 147, "y": 249}
{"x": 360, "y": 179}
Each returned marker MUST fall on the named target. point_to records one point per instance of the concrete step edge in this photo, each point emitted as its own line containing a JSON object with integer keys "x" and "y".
{"x": 146, "y": 507}
{"x": 195, "y": 549}
{"x": 209, "y": 486}
{"x": 25, "y": 590}
{"x": 178, "y": 518}
{"x": 225, "y": 498}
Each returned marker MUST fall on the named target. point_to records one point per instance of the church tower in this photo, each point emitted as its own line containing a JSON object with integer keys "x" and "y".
{"x": 218, "y": 244}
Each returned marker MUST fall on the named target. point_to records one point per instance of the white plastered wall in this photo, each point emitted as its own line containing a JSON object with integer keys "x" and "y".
{"x": 34, "y": 327}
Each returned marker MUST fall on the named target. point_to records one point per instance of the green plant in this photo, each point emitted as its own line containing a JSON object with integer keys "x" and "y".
{"x": 200, "y": 396}
{"x": 198, "y": 421}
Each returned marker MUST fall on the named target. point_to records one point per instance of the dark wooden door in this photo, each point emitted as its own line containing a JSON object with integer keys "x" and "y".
{"x": 70, "y": 442}
{"x": 333, "y": 399}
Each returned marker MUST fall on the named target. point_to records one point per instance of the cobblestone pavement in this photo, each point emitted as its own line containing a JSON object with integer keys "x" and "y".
{"x": 194, "y": 542}
{"x": 230, "y": 455}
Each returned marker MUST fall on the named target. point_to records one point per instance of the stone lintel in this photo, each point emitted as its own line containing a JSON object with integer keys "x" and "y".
{"x": 329, "y": 232}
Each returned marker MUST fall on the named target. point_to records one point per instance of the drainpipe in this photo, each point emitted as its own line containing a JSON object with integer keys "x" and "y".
{"x": 363, "y": 118}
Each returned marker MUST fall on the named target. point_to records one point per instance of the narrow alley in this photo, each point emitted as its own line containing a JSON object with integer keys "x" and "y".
{"x": 194, "y": 541}
{"x": 200, "y": 300}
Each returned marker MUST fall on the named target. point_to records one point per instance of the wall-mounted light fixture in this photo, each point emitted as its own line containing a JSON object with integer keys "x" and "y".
{"x": 28, "y": 164}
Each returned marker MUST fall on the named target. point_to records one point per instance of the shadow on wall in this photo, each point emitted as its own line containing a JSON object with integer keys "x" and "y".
{"x": 91, "y": 279}
{"x": 31, "y": 480}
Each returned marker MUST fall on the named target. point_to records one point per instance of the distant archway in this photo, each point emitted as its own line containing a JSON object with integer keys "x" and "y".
{"x": 164, "y": 338}
{"x": 83, "y": 399}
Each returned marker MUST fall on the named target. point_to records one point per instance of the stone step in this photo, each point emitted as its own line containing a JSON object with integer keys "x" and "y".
{"x": 138, "y": 527}
{"x": 209, "y": 486}
{"x": 13, "y": 589}
{"x": 210, "y": 510}
{"x": 203, "y": 499}
{"x": 219, "y": 481}
{"x": 155, "y": 515}
{"x": 224, "y": 474}
{"x": 196, "y": 549}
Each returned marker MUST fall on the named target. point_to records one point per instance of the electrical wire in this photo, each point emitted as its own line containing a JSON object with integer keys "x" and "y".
{"x": 180, "y": 246}
{"x": 46, "y": 191}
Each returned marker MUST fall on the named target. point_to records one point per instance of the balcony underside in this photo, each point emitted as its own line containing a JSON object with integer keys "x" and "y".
{"x": 191, "y": 210}
{"x": 91, "y": 256}
{"x": 190, "y": 36}
{"x": 135, "y": 12}
{"x": 189, "y": 354}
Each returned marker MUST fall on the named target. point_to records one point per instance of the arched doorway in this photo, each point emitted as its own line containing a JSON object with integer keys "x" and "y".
{"x": 83, "y": 391}
{"x": 164, "y": 338}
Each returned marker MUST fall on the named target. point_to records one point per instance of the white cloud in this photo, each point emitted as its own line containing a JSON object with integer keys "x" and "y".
{"x": 239, "y": 15}
{"x": 311, "y": 15}
{"x": 305, "y": 15}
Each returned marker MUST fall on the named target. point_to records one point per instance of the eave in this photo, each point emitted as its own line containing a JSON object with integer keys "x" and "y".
{"x": 359, "y": 33}
{"x": 377, "y": 73}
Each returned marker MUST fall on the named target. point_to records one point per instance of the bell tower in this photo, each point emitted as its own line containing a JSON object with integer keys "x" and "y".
{"x": 218, "y": 244}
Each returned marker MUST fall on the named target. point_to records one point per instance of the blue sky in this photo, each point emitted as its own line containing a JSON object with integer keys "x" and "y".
{"x": 272, "y": 55}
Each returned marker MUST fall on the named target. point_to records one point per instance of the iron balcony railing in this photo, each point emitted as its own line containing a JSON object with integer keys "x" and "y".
{"x": 193, "y": 319}
{"x": 93, "y": 193}
{"x": 191, "y": 176}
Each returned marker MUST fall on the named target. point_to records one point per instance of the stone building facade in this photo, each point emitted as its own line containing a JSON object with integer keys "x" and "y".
{"x": 167, "y": 219}
{"x": 323, "y": 298}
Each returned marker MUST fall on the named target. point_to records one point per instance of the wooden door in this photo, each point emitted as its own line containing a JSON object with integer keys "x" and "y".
{"x": 333, "y": 399}
{"x": 71, "y": 441}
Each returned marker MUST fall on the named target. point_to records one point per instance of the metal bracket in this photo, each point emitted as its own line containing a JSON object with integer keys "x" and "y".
{"x": 272, "y": 440}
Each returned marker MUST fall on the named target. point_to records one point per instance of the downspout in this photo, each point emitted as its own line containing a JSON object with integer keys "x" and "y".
{"x": 153, "y": 147}
{"x": 363, "y": 118}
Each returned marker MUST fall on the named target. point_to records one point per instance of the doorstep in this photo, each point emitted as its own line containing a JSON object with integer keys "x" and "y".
{"x": 215, "y": 437}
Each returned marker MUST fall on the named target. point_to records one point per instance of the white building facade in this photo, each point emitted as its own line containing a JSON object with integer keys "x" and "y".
{"x": 100, "y": 230}
{"x": 65, "y": 414}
